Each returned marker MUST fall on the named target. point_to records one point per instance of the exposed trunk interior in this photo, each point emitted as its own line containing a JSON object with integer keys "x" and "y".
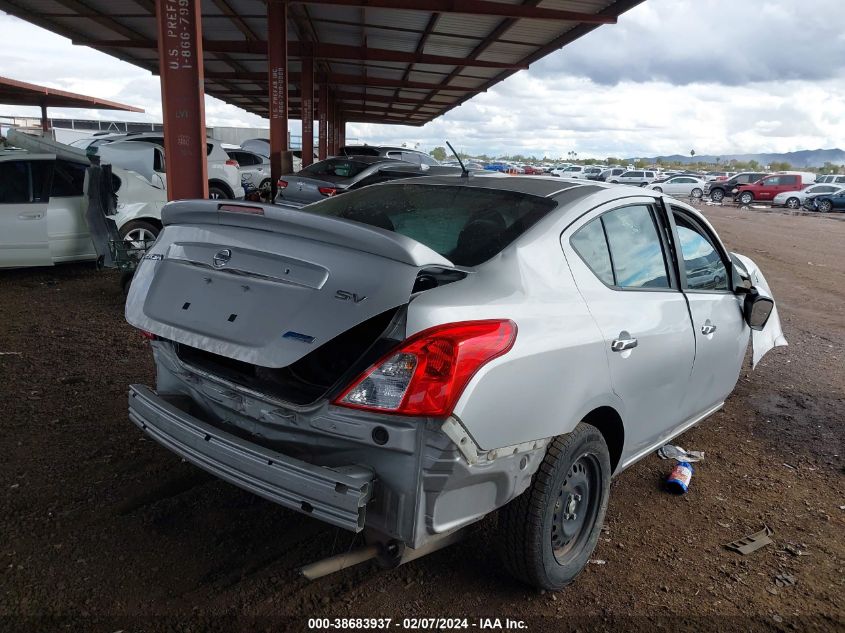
{"x": 317, "y": 374}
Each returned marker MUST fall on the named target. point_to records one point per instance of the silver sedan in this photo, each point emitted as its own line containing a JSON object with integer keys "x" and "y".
{"x": 409, "y": 357}
{"x": 680, "y": 186}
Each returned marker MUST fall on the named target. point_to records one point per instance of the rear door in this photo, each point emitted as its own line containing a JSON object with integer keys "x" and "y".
{"x": 66, "y": 225}
{"x": 24, "y": 196}
{"x": 721, "y": 336}
{"x": 618, "y": 258}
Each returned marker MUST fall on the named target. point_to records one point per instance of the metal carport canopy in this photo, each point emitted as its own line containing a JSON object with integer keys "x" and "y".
{"x": 14, "y": 92}
{"x": 385, "y": 61}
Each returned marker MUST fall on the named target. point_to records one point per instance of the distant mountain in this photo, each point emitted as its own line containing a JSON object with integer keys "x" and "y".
{"x": 802, "y": 158}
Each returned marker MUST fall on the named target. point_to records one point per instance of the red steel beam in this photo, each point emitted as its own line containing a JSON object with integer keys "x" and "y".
{"x": 277, "y": 67}
{"x": 180, "y": 64}
{"x": 320, "y": 51}
{"x": 307, "y": 110}
{"x": 474, "y": 7}
{"x": 322, "y": 120}
{"x": 346, "y": 80}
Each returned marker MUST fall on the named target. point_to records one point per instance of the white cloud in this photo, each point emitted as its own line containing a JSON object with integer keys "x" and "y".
{"x": 717, "y": 76}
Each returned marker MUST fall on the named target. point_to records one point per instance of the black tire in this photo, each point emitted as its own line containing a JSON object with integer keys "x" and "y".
{"x": 746, "y": 197}
{"x": 697, "y": 193}
{"x": 533, "y": 527}
{"x": 218, "y": 193}
{"x": 126, "y": 281}
{"x": 793, "y": 203}
{"x": 717, "y": 195}
{"x": 658, "y": 189}
{"x": 138, "y": 230}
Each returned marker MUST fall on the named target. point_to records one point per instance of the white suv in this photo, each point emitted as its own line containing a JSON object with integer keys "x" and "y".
{"x": 224, "y": 179}
{"x": 638, "y": 178}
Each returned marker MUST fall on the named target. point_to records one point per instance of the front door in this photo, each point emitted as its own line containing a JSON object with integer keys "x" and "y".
{"x": 617, "y": 257}
{"x": 24, "y": 196}
{"x": 721, "y": 335}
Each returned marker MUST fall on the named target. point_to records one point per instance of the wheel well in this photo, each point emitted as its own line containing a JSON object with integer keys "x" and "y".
{"x": 608, "y": 422}
{"x": 222, "y": 185}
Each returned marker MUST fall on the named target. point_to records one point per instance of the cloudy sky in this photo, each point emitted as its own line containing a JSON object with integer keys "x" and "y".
{"x": 717, "y": 76}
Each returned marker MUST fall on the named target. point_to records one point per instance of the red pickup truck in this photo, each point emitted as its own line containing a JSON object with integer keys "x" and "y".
{"x": 770, "y": 186}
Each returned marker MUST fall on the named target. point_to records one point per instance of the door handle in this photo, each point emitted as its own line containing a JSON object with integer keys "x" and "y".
{"x": 30, "y": 216}
{"x": 621, "y": 344}
{"x": 708, "y": 329}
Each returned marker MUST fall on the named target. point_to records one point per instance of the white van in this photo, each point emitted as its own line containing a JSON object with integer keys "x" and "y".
{"x": 42, "y": 209}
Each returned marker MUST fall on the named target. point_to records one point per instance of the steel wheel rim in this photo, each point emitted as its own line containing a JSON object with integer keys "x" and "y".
{"x": 575, "y": 508}
{"x": 717, "y": 195}
{"x": 214, "y": 195}
{"x": 697, "y": 193}
{"x": 792, "y": 203}
{"x": 745, "y": 199}
{"x": 824, "y": 206}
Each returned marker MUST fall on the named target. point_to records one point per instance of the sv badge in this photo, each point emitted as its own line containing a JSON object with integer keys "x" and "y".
{"x": 345, "y": 295}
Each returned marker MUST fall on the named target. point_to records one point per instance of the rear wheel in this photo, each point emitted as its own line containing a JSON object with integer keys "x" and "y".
{"x": 717, "y": 195}
{"x": 139, "y": 232}
{"x": 217, "y": 193}
{"x": 696, "y": 193}
{"x": 746, "y": 197}
{"x": 548, "y": 533}
{"x": 793, "y": 203}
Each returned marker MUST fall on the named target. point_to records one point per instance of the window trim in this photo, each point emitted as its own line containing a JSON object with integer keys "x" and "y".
{"x": 657, "y": 221}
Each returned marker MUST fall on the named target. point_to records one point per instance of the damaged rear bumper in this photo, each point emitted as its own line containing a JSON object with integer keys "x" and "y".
{"x": 336, "y": 496}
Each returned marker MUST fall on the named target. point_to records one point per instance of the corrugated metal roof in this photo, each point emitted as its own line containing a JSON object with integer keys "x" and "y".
{"x": 507, "y": 35}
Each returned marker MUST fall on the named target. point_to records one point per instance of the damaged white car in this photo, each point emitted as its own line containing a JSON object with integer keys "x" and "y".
{"x": 405, "y": 359}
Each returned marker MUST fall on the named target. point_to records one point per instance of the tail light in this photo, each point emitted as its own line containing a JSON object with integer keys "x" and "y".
{"x": 233, "y": 162}
{"x": 327, "y": 191}
{"x": 148, "y": 335}
{"x": 427, "y": 374}
{"x": 282, "y": 184}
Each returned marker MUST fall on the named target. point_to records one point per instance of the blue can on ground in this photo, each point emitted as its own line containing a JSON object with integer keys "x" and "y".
{"x": 679, "y": 479}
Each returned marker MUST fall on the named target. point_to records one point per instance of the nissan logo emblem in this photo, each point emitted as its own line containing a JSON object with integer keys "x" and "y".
{"x": 222, "y": 258}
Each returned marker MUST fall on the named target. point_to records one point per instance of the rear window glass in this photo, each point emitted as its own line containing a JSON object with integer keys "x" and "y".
{"x": 467, "y": 225}
{"x": 336, "y": 167}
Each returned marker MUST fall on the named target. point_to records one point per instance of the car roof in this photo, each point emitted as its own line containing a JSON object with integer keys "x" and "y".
{"x": 542, "y": 186}
{"x": 366, "y": 159}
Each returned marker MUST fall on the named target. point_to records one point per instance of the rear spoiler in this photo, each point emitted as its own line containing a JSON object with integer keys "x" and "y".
{"x": 320, "y": 228}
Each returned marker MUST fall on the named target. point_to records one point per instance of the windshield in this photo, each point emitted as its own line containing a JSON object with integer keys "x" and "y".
{"x": 335, "y": 168}
{"x": 467, "y": 225}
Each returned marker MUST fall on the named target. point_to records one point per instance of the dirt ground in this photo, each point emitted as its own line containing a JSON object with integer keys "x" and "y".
{"x": 104, "y": 530}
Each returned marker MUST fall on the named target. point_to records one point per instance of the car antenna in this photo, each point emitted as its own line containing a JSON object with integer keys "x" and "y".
{"x": 464, "y": 172}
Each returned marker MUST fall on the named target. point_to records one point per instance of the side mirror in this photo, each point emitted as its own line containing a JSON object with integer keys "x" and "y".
{"x": 757, "y": 309}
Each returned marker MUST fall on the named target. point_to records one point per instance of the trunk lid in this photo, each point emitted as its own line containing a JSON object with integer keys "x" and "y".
{"x": 269, "y": 285}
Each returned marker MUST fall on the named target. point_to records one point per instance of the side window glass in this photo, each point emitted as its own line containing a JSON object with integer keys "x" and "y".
{"x": 68, "y": 179}
{"x": 14, "y": 182}
{"x": 635, "y": 248}
{"x": 704, "y": 268}
{"x": 590, "y": 244}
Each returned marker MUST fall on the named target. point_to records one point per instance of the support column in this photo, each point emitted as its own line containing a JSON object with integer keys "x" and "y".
{"x": 183, "y": 97}
{"x": 322, "y": 120}
{"x": 341, "y": 132}
{"x": 331, "y": 149}
{"x": 277, "y": 58}
{"x": 307, "y": 107}
{"x": 45, "y": 122}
